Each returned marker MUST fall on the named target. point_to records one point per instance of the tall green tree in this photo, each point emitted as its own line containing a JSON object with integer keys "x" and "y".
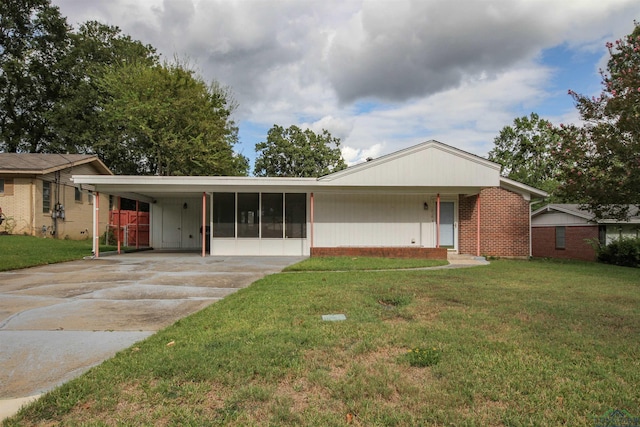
{"x": 294, "y": 152}
{"x": 524, "y": 152}
{"x": 33, "y": 40}
{"x": 166, "y": 120}
{"x": 95, "y": 49}
{"x": 600, "y": 160}
{"x": 98, "y": 91}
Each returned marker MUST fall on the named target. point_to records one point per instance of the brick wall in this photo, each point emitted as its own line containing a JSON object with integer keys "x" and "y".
{"x": 17, "y": 205}
{"x": 543, "y": 240}
{"x": 385, "y": 252}
{"x": 504, "y": 224}
{"x": 24, "y": 206}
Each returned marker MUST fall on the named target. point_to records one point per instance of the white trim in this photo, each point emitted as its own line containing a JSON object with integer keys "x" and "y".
{"x": 580, "y": 213}
{"x": 559, "y": 208}
{"x": 525, "y": 190}
{"x": 456, "y": 221}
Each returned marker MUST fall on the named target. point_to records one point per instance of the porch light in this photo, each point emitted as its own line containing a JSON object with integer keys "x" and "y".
{"x": 185, "y": 205}
{"x": 426, "y": 206}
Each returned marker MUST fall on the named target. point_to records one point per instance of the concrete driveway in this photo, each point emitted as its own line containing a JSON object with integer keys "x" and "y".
{"x": 57, "y": 321}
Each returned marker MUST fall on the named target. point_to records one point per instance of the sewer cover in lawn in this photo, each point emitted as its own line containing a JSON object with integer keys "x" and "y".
{"x": 333, "y": 317}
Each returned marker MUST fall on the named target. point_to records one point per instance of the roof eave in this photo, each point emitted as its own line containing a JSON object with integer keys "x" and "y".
{"x": 524, "y": 189}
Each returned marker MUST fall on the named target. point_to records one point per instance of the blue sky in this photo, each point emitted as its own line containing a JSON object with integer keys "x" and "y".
{"x": 382, "y": 75}
{"x": 572, "y": 69}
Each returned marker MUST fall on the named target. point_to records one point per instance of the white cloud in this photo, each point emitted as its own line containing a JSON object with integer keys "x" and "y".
{"x": 353, "y": 156}
{"x": 380, "y": 75}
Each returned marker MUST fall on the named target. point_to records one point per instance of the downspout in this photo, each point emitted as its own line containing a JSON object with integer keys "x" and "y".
{"x": 438, "y": 220}
{"x": 204, "y": 223}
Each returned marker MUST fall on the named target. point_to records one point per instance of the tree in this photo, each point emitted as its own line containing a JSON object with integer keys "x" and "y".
{"x": 293, "y": 152}
{"x": 165, "y": 120}
{"x": 33, "y": 40}
{"x": 95, "y": 50}
{"x": 600, "y": 161}
{"x": 98, "y": 91}
{"x": 524, "y": 152}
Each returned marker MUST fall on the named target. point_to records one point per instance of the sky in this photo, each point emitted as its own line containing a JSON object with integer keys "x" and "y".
{"x": 382, "y": 75}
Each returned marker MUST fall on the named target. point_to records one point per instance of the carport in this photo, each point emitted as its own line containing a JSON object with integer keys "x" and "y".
{"x": 267, "y": 216}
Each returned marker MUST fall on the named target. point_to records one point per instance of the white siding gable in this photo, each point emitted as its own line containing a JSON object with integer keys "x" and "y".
{"x": 430, "y": 164}
{"x": 555, "y": 218}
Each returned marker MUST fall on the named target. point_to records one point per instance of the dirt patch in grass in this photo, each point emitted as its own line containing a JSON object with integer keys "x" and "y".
{"x": 484, "y": 411}
{"x": 303, "y": 394}
{"x": 426, "y": 310}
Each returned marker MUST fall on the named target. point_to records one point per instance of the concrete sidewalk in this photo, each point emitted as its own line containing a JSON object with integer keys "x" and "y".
{"x": 57, "y": 321}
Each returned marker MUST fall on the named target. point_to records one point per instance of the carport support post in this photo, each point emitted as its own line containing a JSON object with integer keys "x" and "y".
{"x": 311, "y": 217}
{"x": 96, "y": 225}
{"x": 137, "y": 224}
{"x": 204, "y": 222}
{"x": 118, "y": 231}
{"x": 438, "y": 220}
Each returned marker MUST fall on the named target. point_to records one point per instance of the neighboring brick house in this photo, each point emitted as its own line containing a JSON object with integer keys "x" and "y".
{"x": 38, "y": 197}
{"x": 566, "y": 231}
{"x": 423, "y": 201}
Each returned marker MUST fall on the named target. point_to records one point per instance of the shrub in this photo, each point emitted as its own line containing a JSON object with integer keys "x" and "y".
{"x": 624, "y": 252}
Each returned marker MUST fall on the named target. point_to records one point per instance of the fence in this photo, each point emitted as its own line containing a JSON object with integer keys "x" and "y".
{"x": 130, "y": 226}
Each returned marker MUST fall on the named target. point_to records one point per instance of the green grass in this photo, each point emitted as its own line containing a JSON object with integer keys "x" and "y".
{"x": 517, "y": 343}
{"x": 361, "y": 263}
{"x": 27, "y": 251}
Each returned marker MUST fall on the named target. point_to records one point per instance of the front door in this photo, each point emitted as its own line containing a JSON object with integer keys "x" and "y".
{"x": 447, "y": 225}
{"x": 171, "y": 226}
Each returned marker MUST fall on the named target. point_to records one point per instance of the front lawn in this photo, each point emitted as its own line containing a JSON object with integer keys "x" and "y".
{"x": 362, "y": 263}
{"x": 28, "y": 251}
{"x": 512, "y": 343}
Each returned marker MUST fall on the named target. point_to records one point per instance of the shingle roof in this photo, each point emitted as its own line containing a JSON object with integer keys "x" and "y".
{"x": 39, "y": 164}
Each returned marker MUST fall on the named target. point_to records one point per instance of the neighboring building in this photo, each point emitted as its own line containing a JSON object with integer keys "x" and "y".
{"x": 422, "y": 201}
{"x": 38, "y": 197}
{"x": 566, "y": 231}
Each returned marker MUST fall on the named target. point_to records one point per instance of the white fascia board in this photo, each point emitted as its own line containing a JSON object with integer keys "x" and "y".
{"x": 370, "y": 189}
{"x": 190, "y": 184}
{"x": 156, "y": 186}
{"x": 558, "y": 208}
{"x": 525, "y": 190}
{"x": 189, "y": 180}
{"x": 630, "y": 221}
{"x": 544, "y": 209}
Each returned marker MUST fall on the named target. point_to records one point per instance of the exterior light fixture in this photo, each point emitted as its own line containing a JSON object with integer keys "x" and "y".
{"x": 426, "y": 206}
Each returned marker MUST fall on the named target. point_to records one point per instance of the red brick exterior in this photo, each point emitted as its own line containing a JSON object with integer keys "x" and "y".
{"x": 543, "y": 240}
{"x": 384, "y": 252}
{"x": 504, "y": 224}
